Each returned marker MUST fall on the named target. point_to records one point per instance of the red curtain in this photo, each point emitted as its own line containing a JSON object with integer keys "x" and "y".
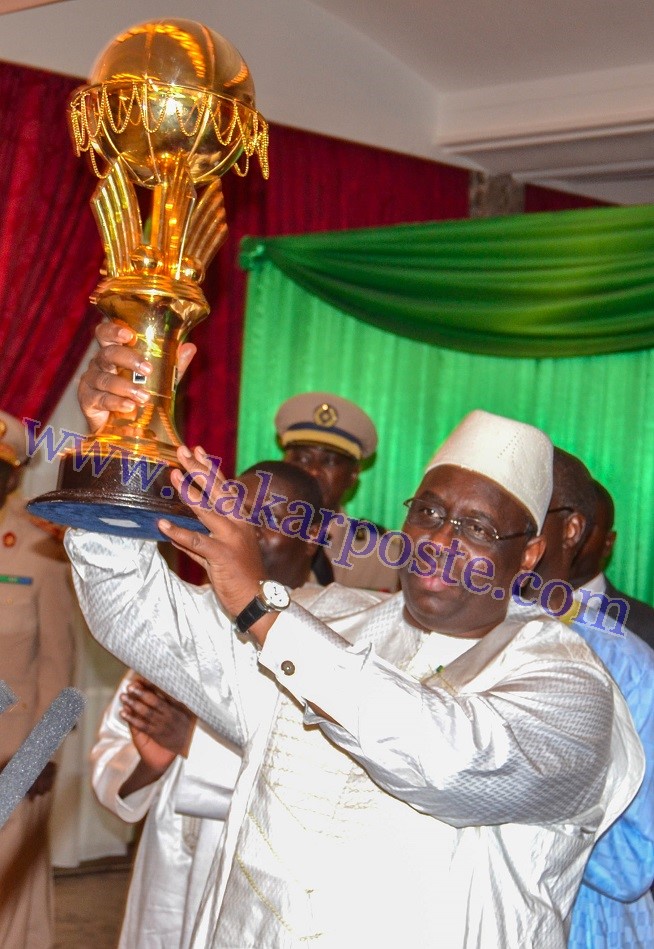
{"x": 316, "y": 183}
{"x": 546, "y": 199}
{"x": 49, "y": 247}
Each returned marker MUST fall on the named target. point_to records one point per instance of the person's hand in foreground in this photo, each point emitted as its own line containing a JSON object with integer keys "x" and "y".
{"x": 161, "y": 730}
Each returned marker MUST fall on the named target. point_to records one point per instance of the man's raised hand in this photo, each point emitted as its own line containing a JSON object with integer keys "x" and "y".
{"x": 230, "y": 552}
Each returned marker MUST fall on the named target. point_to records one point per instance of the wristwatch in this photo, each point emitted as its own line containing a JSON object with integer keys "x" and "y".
{"x": 272, "y": 598}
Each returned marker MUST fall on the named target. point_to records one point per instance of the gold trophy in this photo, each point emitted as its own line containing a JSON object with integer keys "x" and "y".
{"x": 171, "y": 108}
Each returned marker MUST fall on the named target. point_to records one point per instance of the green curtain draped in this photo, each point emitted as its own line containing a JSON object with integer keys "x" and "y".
{"x": 558, "y": 284}
{"x": 595, "y": 406}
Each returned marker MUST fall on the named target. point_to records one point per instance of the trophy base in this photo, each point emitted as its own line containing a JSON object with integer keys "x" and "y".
{"x": 104, "y": 504}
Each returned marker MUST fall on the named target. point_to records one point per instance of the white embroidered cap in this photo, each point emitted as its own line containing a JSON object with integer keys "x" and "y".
{"x": 516, "y": 456}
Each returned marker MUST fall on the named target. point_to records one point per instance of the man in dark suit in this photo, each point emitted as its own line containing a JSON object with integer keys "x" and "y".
{"x": 590, "y": 563}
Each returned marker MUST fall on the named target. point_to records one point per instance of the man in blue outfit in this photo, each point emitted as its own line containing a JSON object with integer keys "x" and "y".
{"x": 614, "y": 905}
{"x": 591, "y": 561}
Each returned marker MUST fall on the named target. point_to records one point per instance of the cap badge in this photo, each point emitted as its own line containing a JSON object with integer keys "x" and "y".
{"x": 325, "y": 415}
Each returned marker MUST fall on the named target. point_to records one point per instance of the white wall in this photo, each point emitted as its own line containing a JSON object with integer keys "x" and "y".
{"x": 315, "y": 71}
{"x": 310, "y": 69}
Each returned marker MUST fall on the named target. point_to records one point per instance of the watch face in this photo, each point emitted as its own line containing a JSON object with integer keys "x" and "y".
{"x": 275, "y": 594}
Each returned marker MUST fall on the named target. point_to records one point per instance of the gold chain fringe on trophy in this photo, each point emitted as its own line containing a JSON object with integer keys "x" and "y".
{"x": 171, "y": 108}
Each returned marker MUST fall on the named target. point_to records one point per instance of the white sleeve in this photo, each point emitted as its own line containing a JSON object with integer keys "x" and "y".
{"x": 207, "y": 777}
{"x": 485, "y": 757}
{"x": 174, "y": 634}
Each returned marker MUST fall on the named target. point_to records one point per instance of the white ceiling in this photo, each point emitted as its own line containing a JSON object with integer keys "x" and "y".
{"x": 559, "y": 93}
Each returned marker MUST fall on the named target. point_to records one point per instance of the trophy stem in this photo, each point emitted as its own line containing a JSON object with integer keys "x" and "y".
{"x": 160, "y": 321}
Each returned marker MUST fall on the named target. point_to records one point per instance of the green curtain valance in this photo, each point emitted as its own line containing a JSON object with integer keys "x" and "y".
{"x": 531, "y": 285}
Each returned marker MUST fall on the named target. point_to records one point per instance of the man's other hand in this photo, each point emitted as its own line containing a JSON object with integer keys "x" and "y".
{"x": 102, "y": 390}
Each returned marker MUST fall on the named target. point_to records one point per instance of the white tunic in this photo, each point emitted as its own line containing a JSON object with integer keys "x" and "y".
{"x": 185, "y": 809}
{"x": 451, "y": 809}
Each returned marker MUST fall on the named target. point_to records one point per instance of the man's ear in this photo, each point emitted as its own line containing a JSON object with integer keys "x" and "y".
{"x": 310, "y": 549}
{"x": 607, "y": 549}
{"x": 354, "y": 474}
{"x": 13, "y": 479}
{"x": 532, "y": 552}
{"x": 573, "y": 530}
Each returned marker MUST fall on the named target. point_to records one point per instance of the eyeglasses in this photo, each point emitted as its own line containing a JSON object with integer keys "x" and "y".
{"x": 426, "y": 514}
{"x": 559, "y": 510}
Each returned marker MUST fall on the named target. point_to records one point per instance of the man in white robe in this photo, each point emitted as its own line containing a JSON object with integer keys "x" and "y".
{"x": 184, "y": 818}
{"x": 425, "y": 771}
{"x": 153, "y": 760}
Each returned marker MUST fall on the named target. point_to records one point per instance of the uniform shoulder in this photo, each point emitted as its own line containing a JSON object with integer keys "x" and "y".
{"x": 26, "y": 532}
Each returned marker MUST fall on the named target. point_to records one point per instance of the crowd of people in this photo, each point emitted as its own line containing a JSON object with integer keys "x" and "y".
{"x": 429, "y": 754}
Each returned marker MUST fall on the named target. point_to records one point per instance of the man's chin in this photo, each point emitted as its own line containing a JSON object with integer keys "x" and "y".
{"x": 432, "y": 611}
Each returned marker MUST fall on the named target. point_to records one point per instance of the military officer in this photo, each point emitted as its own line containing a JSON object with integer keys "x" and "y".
{"x": 36, "y": 649}
{"x": 330, "y": 437}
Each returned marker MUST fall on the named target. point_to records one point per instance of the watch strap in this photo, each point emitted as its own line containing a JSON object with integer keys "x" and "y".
{"x": 250, "y": 615}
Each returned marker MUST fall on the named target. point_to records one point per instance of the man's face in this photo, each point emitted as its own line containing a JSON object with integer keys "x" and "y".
{"x": 555, "y": 562}
{"x": 432, "y": 603}
{"x": 286, "y": 559}
{"x": 335, "y": 472}
{"x": 596, "y": 551}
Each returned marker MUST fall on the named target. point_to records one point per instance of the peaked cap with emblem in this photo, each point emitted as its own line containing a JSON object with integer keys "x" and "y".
{"x": 322, "y": 418}
{"x": 12, "y": 440}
